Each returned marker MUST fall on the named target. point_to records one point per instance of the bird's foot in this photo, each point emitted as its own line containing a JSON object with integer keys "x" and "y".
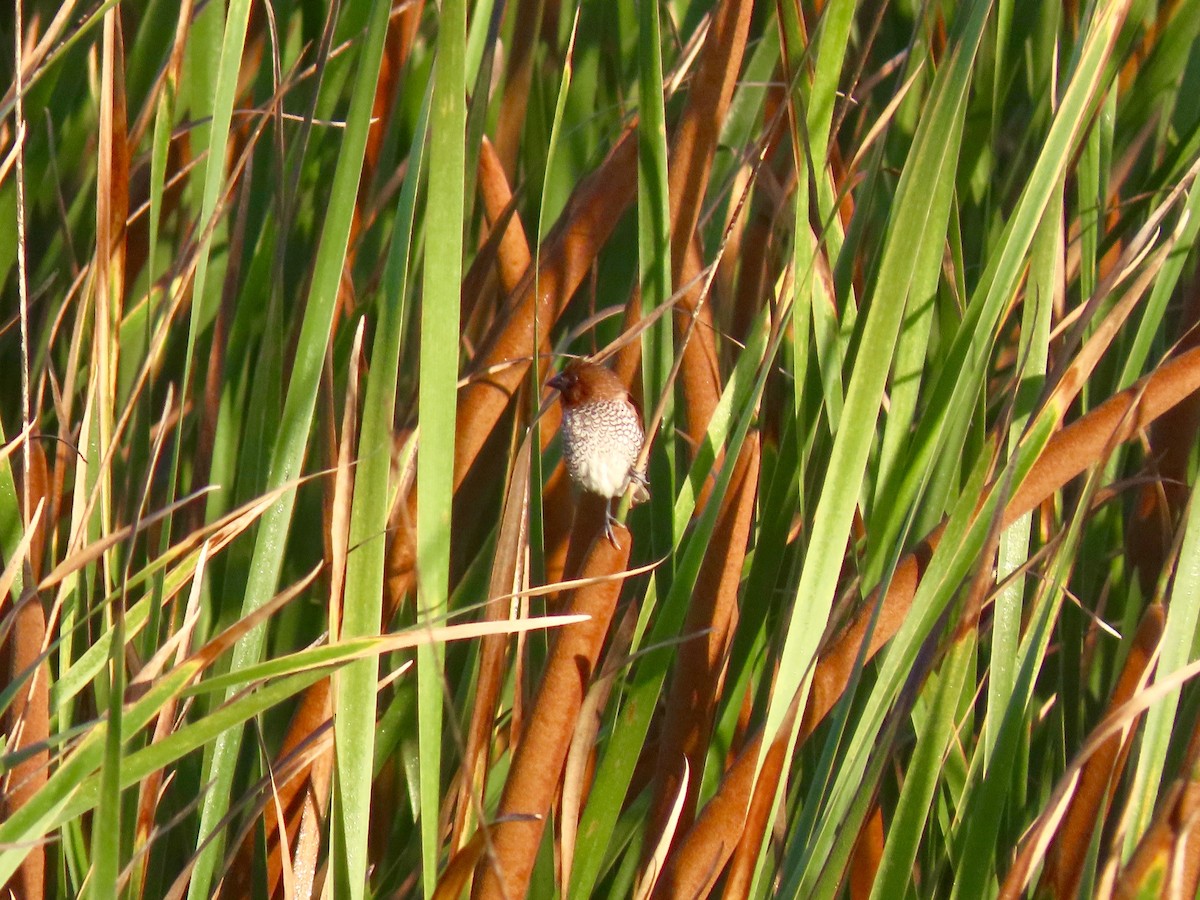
{"x": 609, "y": 521}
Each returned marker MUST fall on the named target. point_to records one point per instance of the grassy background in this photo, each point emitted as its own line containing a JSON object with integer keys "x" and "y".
{"x": 908, "y": 295}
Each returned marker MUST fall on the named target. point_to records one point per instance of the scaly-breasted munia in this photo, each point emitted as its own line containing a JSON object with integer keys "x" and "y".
{"x": 601, "y": 434}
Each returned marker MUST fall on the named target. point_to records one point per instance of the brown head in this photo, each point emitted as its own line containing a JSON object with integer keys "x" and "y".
{"x": 584, "y": 382}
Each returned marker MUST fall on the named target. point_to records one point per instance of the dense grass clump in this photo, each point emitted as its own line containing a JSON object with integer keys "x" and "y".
{"x": 298, "y": 600}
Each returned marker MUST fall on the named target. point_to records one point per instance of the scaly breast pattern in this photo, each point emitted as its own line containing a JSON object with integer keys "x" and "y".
{"x": 601, "y": 441}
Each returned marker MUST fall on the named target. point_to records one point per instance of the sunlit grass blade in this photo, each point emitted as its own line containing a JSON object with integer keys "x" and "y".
{"x": 930, "y": 164}
{"x": 436, "y": 404}
{"x": 900, "y": 260}
{"x": 371, "y": 506}
{"x": 296, "y": 422}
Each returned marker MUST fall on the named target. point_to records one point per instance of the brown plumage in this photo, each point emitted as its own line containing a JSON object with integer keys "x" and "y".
{"x": 601, "y": 433}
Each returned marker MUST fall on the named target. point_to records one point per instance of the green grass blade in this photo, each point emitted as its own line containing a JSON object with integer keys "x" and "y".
{"x": 295, "y": 424}
{"x": 436, "y": 401}
{"x": 356, "y": 698}
{"x": 654, "y": 265}
{"x": 930, "y": 164}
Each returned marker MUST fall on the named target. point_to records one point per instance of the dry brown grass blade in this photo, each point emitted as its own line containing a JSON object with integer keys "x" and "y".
{"x": 15, "y": 564}
{"x": 96, "y": 549}
{"x": 185, "y": 271}
{"x": 221, "y": 533}
{"x": 510, "y": 124}
{"x": 1145, "y": 252}
{"x": 32, "y": 58}
{"x": 654, "y": 864}
{"x": 218, "y": 644}
{"x": 343, "y": 490}
{"x": 693, "y": 146}
{"x": 318, "y": 782}
{"x": 572, "y": 584}
{"x": 112, "y": 179}
{"x": 313, "y": 711}
{"x": 566, "y": 257}
{"x": 580, "y": 767}
{"x": 1172, "y": 439}
{"x": 286, "y": 770}
{"x": 27, "y": 719}
{"x": 1164, "y": 863}
{"x": 304, "y": 800}
{"x": 508, "y": 575}
{"x": 868, "y": 852}
{"x": 512, "y": 256}
{"x": 537, "y": 767}
{"x": 1177, "y": 814}
{"x": 696, "y": 682}
{"x": 288, "y": 876}
{"x": 138, "y": 239}
{"x": 1184, "y": 818}
{"x": 694, "y": 867}
{"x": 168, "y": 75}
{"x": 10, "y": 158}
{"x": 1100, "y": 776}
{"x": 150, "y": 790}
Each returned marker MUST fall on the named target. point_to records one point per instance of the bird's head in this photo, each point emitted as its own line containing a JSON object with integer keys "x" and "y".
{"x": 584, "y": 382}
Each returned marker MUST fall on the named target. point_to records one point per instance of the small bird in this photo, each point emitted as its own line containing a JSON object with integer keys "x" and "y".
{"x": 602, "y": 434}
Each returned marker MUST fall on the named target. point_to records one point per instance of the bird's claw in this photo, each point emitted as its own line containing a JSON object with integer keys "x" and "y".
{"x": 608, "y": 527}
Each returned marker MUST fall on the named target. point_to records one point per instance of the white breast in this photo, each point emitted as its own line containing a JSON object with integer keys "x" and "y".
{"x": 600, "y": 445}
